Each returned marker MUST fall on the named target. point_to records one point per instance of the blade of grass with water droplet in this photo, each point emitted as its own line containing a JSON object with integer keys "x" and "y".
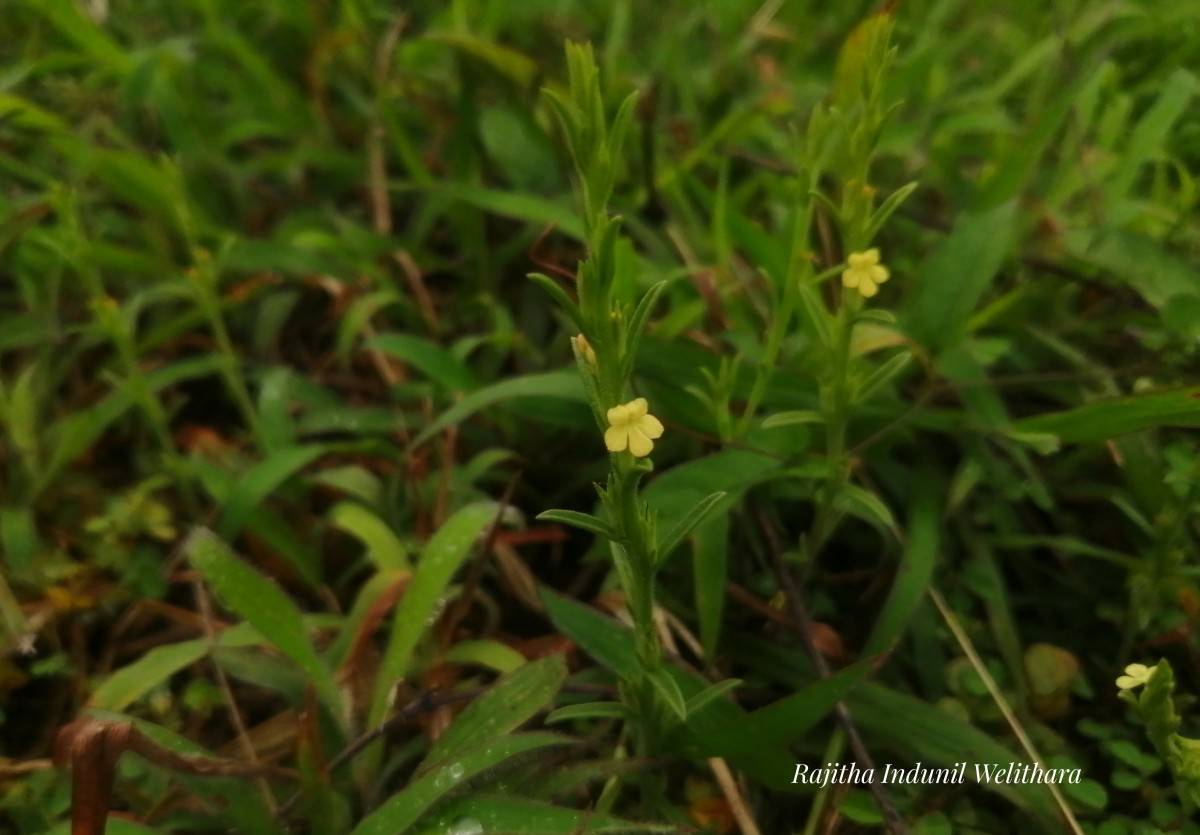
{"x": 264, "y": 606}
{"x": 510, "y": 702}
{"x": 440, "y": 558}
{"x": 401, "y": 811}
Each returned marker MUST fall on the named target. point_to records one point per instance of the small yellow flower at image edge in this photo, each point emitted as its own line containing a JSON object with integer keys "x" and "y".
{"x": 864, "y": 272}
{"x": 632, "y": 426}
{"x": 1135, "y": 676}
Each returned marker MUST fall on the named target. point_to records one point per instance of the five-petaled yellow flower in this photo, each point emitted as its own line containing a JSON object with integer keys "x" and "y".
{"x": 864, "y": 272}
{"x": 1135, "y": 676}
{"x": 631, "y": 425}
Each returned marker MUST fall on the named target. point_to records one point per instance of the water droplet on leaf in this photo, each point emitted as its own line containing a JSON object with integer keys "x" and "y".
{"x": 465, "y": 826}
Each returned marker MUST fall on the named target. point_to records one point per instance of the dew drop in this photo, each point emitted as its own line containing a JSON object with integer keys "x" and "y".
{"x": 456, "y": 771}
{"x": 465, "y": 826}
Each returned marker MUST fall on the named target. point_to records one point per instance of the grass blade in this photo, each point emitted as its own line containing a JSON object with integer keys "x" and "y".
{"x": 401, "y": 811}
{"x": 511, "y": 702}
{"x": 440, "y": 558}
{"x": 263, "y": 605}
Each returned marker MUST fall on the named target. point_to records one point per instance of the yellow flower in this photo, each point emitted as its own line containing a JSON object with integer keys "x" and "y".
{"x": 864, "y": 272}
{"x": 632, "y": 426}
{"x": 1135, "y": 676}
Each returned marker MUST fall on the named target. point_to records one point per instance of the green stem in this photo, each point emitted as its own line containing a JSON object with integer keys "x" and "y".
{"x": 641, "y": 573}
{"x": 837, "y": 418}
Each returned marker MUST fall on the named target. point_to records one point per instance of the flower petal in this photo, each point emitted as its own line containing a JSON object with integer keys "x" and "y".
{"x": 868, "y": 289}
{"x": 651, "y": 425}
{"x": 850, "y": 277}
{"x": 880, "y": 274}
{"x": 618, "y": 415}
{"x": 638, "y": 408}
{"x": 616, "y": 438}
{"x": 639, "y": 444}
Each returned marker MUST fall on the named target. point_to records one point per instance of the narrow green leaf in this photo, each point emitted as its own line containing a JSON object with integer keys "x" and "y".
{"x": 588, "y": 710}
{"x": 129, "y": 684}
{"x": 264, "y": 606}
{"x": 868, "y": 507}
{"x": 1136, "y": 260}
{"x": 491, "y": 654}
{"x": 435, "y": 362}
{"x": 558, "y": 384}
{"x": 915, "y": 571}
{"x": 353, "y": 621}
{"x": 141, "y": 180}
{"x": 1103, "y": 419}
{"x": 509, "y": 703}
{"x": 710, "y": 694}
{"x": 13, "y": 623}
{"x": 358, "y": 316}
{"x": 881, "y": 376}
{"x": 792, "y": 418}
{"x": 816, "y": 315}
{"x": 668, "y": 689}
{"x": 599, "y": 636}
{"x": 928, "y": 733}
{"x": 787, "y": 719}
{"x": 354, "y": 420}
{"x": 685, "y": 525}
{"x": 583, "y": 521}
{"x": 560, "y": 297}
{"x": 710, "y": 571}
{"x": 275, "y": 409}
{"x": 524, "y": 207}
{"x": 1147, "y": 138}
{"x": 1013, "y": 170}
{"x": 611, "y": 644}
{"x": 18, "y": 539}
{"x": 254, "y": 486}
{"x": 886, "y": 209}
{"x": 353, "y": 479}
{"x": 20, "y": 418}
{"x": 401, "y": 811}
{"x": 953, "y": 280}
{"x": 383, "y": 546}
{"x": 440, "y": 559}
{"x": 516, "y": 66}
{"x": 23, "y": 329}
{"x": 675, "y": 493}
{"x": 77, "y": 28}
{"x": 132, "y": 682}
{"x": 637, "y": 324}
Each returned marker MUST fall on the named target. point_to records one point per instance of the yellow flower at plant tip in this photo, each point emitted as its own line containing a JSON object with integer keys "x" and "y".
{"x": 631, "y": 425}
{"x": 1135, "y": 676}
{"x": 864, "y": 272}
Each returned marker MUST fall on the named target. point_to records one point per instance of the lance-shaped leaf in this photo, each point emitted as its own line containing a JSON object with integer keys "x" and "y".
{"x": 264, "y": 606}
